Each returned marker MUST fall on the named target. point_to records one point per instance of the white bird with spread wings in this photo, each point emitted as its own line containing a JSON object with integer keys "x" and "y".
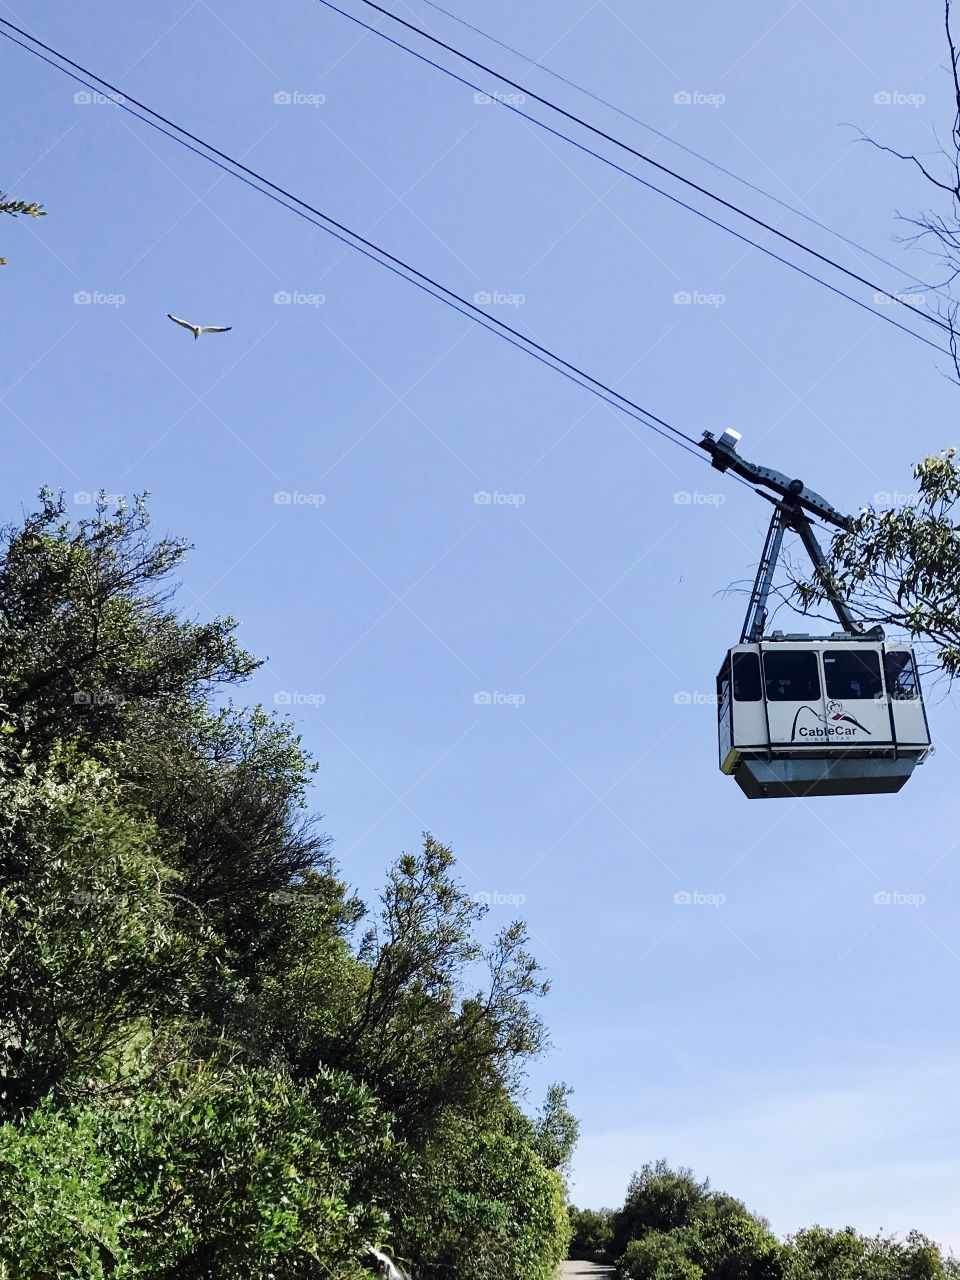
{"x": 197, "y": 329}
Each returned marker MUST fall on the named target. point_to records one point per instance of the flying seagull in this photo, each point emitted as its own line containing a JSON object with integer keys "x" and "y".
{"x": 197, "y": 329}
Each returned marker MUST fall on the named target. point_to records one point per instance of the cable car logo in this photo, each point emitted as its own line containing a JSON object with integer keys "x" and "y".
{"x": 832, "y": 725}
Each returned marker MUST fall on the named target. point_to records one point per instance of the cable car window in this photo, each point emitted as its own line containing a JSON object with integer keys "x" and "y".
{"x": 852, "y": 673}
{"x": 746, "y": 677}
{"x": 901, "y": 672}
{"x": 791, "y": 675}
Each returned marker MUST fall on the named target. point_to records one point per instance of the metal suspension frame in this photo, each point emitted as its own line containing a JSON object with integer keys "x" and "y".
{"x": 794, "y": 500}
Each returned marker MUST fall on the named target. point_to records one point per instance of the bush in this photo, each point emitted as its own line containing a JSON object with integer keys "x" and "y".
{"x": 662, "y": 1199}
{"x": 591, "y": 1232}
{"x": 483, "y": 1207}
{"x": 822, "y": 1254}
{"x": 55, "y": 1219}
{"x": 213, "y": 1176}
{"x": 246, "y": 1174}
{"x": 659, "y": 1256}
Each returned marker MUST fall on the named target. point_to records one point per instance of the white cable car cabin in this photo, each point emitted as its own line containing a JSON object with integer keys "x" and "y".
{"x": 827, "y": 716}
{"x": 806, "y": 716}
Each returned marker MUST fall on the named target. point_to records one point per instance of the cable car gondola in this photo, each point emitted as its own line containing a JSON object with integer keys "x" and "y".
{"x": 812, "y": 715}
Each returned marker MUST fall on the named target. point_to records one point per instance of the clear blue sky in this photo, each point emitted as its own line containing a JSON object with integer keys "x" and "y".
{"x": 797, "y": 1043}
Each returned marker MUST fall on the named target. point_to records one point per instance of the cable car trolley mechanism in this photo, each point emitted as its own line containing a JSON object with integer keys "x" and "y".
{"x": 812, "y": 715}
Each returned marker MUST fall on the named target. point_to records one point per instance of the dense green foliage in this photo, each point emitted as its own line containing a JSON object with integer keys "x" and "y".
{"x": 212, "y": 1063}
{"x": 591, "y": 1232}
{"x": 674, "y": 1227}
{"x": 661, "y": 1199}
{"x": 819, "y": 1254}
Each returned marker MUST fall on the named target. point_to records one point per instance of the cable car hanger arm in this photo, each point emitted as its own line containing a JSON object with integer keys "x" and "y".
{"x": 791, "y": 507}
{"x": 724, "y": 457}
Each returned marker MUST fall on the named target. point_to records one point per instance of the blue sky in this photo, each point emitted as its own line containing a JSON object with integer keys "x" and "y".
{"x": 797, "y": 1042}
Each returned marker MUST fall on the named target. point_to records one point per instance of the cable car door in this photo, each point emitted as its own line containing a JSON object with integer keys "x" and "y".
{"x": 795, "y": 707}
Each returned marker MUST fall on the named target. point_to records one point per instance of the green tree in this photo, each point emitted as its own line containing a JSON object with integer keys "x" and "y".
{"x": 188, "y": 1015}
{"x": 662, "y": 1199}
{"x": 421, "y": 1037}
{"x": 481, "y": 1205}
{"x": 87, "y": 947}
{"x": 14, "y": 207}
{"x": 822, "y": 1254}
{"x": 901, "y": 567}
{"x": 660, "y": 1255}
{"x": 591, "y": 1232}
{"x": 731, "y": 1246}
{"x": 735, "y": 1246}
{"x": 556, "y": 1130}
